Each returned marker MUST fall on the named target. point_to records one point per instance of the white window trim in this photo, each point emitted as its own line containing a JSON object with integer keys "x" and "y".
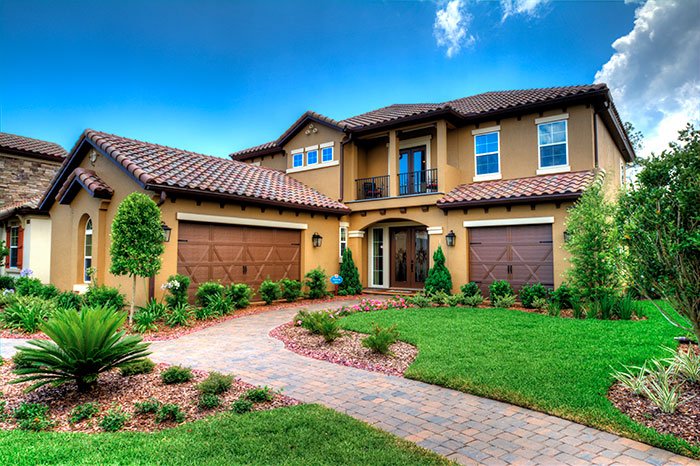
{"x": 294, "y": 154}
{"x": 326, "y": 144}
{"x": 385, "y": 261}
{"x": 488, "y": 176}
{"x": 490, "y": 129}
{"x": 191, "y": 217}
{"x": 315, "y": 166}
{"x": 86, "y": 277}
{"x": 434, "y": 230}
{"x": 550, "y": 119}
{"x": 16, "y": 247}
{"x": 314, "y": 147}
{"x": 502, "y": 222}
{"x": 320, "y": 153}
{"x": 343, "y": 226}
{"x": 296, "y": 151}
{"x": 554, "y": 168}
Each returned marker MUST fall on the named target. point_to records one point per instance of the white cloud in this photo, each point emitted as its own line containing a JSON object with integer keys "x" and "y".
{"x": 520, "y": 7}
{"x": 451, "y": 27}
{"x": 654, "y": 74}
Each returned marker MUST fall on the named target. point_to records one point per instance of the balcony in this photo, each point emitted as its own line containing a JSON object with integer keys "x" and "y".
{"x": 409, "y": 183}
{"x": 375, "y": 187}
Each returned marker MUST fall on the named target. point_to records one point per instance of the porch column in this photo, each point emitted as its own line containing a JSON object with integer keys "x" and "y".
{"x": 393, "y": 164}
{"x": 435, "y": 238}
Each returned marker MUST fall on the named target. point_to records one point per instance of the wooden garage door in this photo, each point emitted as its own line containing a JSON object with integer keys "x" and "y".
{"x": 519, "y": 254}
{"x": 237, "y": 254}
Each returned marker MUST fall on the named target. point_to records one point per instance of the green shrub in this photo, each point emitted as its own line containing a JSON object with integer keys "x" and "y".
{"x": 240, "y": 295}
{"x": 320, "y": 323}
{"x": 552, "y": 307}
{"x": 207, "y": 291}
{"x": 270, "y": 291}
{"x": 145, "y": 319}
{"x": 351, "y": 276}
{"x": 577, "y": 309}
{"x": 473, "y": 300}
{"x": 180, "y": 315}
{"x": 291, "y": 289}
{"x": 625, "y": 307}
{"x": 7, "y": 296}
{"x": 176, "y": 374}
{"x": 83, "y": 345}
{"x": 170, "y": 412}
{"x": 7, "y": 282}
{"x": 316, "y": 283}
{"x": 150, "y": 406}
{"x": 68, "y": 300}
{"x": 27, "y": 286}
{"x": 176, "y": 287}
{"x": 155, "y": 308}
{"x": 20, "y": 360}
{"x": 260, "y": 394}
{"x": 82, "y": 412}
{"x": 216, "y": 383}
{"x": 564, "y": 296}
{"x": 113, "y": 420}
{"x": 455, "y": 300}
{"x": 686, "y": 364}
{"x": 32, "y": 416}
{"x": 381, "y": 339}
{"x": 439, "y": 277}
{"x": 219, "y": 306}
{"x": 504, "y": 301}
{"x": 208, "y": 401}
{"x": 529, "y": 293}
{"x": 419, "y": 300}
{"x": 144, "y": 366}
{"x": 27, "y": 313}
{"x": 542, "y": 303}
{"x": 241, "y": 406}
{"x": 203, "y": 313}
{"x": 499, "y": 288}
{"x": 470, "y": 289}
{"x": 103, "y": 296}
{"x": 439, "y": 298}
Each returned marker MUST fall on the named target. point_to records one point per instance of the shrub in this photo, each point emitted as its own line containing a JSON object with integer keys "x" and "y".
{"x": 316, "y": 283}
{"x": 529, "y": 293}
{"x": 82, "y": 412}
{"x": 439, "y": 298}
{"x": 553, "y": 308}
{"x": 259, "y": 395}
{"x": 542, "y": 303}
{"x": 149, "y": 406}
{"x": 505, "y": 301}
{"x": 239, "y": 294}
{"x": 155, "y": 308}
{"x": 32, "y": 416}
{"x": 7, "y": 296}
{"x": 455, "y": 300}
{"x": 207, "y": 291}
{"x": 686, "y": 364}
{"x": 320, "y": 323}
{"x": 351, "y": 276}
{"x": 633, "y": 378}
{"x": 7, "y": 282}
{"x": 625, "y": 307}
{"x": 381, "y": 339}
{"x": 180, "y": 315}
{"x": 176, "y": 374}
{"x": 170, "y": 412}
{"x": 564, "y": 296}
{"x": 216, "y": 383}
{"x": 439, "y": 278}
{"x": 20, "y": 360}
{"x": 577, "y": 309}
{"x": 27, "y": 286}
{"x": 82, "y": 346}
{"x": 499, "y": 288}
{"x": 113, "y": 420}
{"x": 68, "y": 300}
{"x": 27, "y": 313}
{"x": 660, "y": 390}
{"x": 208, "y": 401}
{"x": 103, "y": 296}
{"x": 270, "y": 291}
{"x": 144, "y": 366}
{"x": 419, "y": 300}
{"x": 473, "y": 300}
{"x": 219, "y": 306}
{"x": 470, "y": 289}
{"x": 202, "y": 313}
{"x": 291, "y": 289}
{"x": 145, "y": 320}
{"x": 176, "y": 287}
{"x": 241, "y": 406}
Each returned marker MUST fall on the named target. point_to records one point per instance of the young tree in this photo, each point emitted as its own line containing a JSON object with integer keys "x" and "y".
{"x": 351, "y": 277}
{"x": 137, "y": 240}
{"x": 660, "y": 219}
{"x": 439, "y": 278}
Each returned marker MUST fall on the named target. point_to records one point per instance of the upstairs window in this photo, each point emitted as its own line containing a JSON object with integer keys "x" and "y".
{"x": 486, "y": 148}
{"x": 87, "y": 257}
{"x": 327, "y": 154}
{"x": 312, "y": 157}
{"x": 297, "y": 159}
{"x": 553, "y": 144}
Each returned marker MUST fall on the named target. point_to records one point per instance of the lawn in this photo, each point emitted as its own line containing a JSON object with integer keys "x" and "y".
{"x": 556, "y": 365}
{"x": 307, "y": 434}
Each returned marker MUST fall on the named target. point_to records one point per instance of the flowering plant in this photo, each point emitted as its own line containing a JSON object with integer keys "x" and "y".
{"x": 26, "y": 273}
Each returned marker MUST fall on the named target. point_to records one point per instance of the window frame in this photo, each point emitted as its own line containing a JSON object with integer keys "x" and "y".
{"x": 487, "y": 176}
{"x": 298, "y": 153}
{"x": 342, "y": 243}
{"x": 14, "y": 234}
{"x": 553, "y": 168}
{"x": 323, "y": 150}
{"x": 87, "y": 232}
{"x": 309, "y": 163}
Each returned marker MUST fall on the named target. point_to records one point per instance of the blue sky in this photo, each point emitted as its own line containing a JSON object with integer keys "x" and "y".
{"x": 214, "y": 77}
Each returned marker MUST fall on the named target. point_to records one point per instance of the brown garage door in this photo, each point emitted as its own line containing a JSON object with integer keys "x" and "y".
{"x": 519, "y": 254}
{"x": 237, "y": 254}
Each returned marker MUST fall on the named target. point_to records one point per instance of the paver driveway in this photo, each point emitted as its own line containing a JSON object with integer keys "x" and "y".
{"x": 465, "y": 428}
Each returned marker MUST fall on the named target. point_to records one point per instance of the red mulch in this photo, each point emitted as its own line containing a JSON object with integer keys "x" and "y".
{"x": 113, "y": 389}
{"x": 684, "y": 423}
{"x": 346, "y": 350}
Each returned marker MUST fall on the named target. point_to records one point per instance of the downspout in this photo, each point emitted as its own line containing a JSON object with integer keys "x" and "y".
{"x": 345, "y": 141}
{"x": 161, "y": 201}
{"x": 595, "y": 139}
{"x": 152, "y": 280}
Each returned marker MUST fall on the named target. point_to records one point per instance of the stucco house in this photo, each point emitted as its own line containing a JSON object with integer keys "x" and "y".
{"x": 487, "y": 177}
{"x": 27, "y": 166}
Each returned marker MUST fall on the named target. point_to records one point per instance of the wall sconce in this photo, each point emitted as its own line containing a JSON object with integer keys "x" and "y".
{"x": 166, "y": 232}
{"x": 450, "y": 238}
{"x": 316, "y": 240}
{"x": 567, "y": 236}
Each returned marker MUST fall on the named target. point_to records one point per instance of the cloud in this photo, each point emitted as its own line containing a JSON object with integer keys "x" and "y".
{"x": 654, "y": 74}
{"x": 451, "y": 27}
{"x": 520, "y": 7}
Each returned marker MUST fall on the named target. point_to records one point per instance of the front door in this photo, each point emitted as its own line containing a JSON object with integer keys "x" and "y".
{"x": 413, "y": 164}
{"x": 409, "y": 253}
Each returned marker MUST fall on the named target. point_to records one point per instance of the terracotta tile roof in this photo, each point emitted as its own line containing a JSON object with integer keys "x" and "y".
{"x": 13, "y": 142}
{"x": 30, "y": 204}
{"x": 89, "y": 180}
{"x": 256, "y": 149}
{"x": 560, "y": 185}
{"x": 172, "y": 169}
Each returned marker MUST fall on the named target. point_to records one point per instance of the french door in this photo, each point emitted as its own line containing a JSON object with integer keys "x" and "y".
{"x": 413, "y": 164}
{"x": 409, "y": 257}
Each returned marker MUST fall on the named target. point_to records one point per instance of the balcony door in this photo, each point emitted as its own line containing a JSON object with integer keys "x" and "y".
{"x": 409, "y": 257}
{"x": 413, "y": 165}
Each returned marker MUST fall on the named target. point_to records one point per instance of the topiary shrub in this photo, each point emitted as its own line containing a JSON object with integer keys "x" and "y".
{"x": 316, "y": 283}
{"x": 470, "y": 289}
{"x": 176, "y": 374}
{"x": 239, "y": 294}
{"x": 270, "y": 291}
{"x": 381, "y": 339}
{"x": 176, "y": 288}
{"x": 351, "y": 276}
{"x": 291, "y": 289}
{"x": 500, "y": 288}
{"x": 207, "y": 291}
{"x": 529, "y": 293}
{"x": 439, "y": 277}
{"x": 103, "y": 296}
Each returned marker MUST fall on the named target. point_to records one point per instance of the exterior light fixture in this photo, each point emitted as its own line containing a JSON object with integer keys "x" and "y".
{"x": 166, "y": 232}
{"x": 450, "y": 238}
{"x": 317, "y": 240}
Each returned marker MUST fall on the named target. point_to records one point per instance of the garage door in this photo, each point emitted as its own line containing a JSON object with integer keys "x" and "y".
{"x": 237, "y": 254}
{"x": 519, "y": 254}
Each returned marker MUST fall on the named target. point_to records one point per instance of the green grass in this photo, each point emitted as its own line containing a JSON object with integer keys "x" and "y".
{"x": 307, "y": 434}
{"x": 556, "y": 365}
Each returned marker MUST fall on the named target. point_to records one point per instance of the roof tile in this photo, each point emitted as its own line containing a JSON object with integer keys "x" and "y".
{"x": 32, "y": 146}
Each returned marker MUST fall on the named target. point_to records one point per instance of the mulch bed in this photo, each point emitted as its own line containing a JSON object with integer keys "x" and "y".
{"x": 346, "y": 350}
{"x": 684, "y": 423}
{"x": 112, "y": 389}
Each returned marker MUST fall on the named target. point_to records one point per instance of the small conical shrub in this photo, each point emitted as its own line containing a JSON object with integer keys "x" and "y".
{"x": 351, "y": 277}
{"x": 439, "y": 278}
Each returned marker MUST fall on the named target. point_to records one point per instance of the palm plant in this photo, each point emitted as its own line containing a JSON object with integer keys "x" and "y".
{"x": 82, "y": 346}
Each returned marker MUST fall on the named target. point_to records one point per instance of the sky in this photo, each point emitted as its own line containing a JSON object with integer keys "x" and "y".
{"x": 219, "y": 76}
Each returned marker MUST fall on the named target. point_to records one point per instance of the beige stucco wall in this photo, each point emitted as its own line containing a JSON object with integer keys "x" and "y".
{"x": 275, "y": 161}
{"x": 36, "y": 252}
{"x": 610, "y": 159}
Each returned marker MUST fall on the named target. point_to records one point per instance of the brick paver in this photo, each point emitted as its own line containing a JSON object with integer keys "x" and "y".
{"x": 463, "y": 427}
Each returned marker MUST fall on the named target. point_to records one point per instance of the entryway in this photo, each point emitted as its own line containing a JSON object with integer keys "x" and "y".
{"x": 410, "y": 258}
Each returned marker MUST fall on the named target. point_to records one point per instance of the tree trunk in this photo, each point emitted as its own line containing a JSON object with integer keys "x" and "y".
{"x": 133, "y": 298}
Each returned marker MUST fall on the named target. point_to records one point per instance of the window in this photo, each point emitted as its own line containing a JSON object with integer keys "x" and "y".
{"x": 552, "y": 144}
{"x": 14, "y": 261}
{"x": 486, "y": 147}
{"x": 343, "y": 240}
{"x": 87, "y": 262}
{"x": 378, "y": 257}
{"x": 297, "y": 159}
{"x": 327, "y": 154}
{"x": 312, "y": 157}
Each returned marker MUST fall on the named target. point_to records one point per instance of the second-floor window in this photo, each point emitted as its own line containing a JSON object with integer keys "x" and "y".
{"x": 326, "y": 154}
{"x": 486, "y": 152}
{"x": 312, "y": 157}
{"x": 297, "y": 159}
{"x": 552, "y": 139}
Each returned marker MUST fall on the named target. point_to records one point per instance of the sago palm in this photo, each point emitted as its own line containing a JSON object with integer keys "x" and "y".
{"x": 84, "y": 344}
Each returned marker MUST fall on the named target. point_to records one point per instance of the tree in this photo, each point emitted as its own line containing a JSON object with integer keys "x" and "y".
{"x": 439, "y": 278}
{"x": 596, "y": 255}
{"x": 635, "y": 136}
{"x": 351, "y": 277}
{"x": 660, "y": 220}
{"x": 137, "y": 240}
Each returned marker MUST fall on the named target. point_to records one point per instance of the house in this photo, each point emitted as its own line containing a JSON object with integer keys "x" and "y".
{"x": 27, "y": 167}
{"x": 488, "y": 177}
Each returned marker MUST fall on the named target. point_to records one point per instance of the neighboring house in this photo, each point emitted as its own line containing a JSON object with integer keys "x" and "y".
{"x": 27, "y": 166}
{"x": 488, "y": 177}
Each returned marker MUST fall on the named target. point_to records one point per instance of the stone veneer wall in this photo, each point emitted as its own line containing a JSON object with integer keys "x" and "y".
{"x": 22, "y": 177}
